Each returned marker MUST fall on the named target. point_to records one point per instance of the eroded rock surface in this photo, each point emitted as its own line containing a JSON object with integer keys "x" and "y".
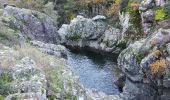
{"x": 33, "y": 24}
{"x": 92, "y": 33}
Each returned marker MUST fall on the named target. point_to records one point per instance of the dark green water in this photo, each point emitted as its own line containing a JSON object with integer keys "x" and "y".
{"x": 95, "y": 71}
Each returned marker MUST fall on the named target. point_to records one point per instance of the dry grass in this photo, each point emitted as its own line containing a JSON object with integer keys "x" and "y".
{"x": 35, "y": 54}
{"x": 158, "y": 67}
{"x": 157, "y": 53}
{"x": 11, "y": 56}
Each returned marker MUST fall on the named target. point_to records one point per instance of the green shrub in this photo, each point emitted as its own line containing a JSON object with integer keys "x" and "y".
{"x": 74, "y": 37}
{"x": 140, "y": 56}
{"x": 1, "y": 97}
{"x": 160, "y": 14}
{"x": 167, "y": 10}
{"x": 135, "y": 18}
{"x": 5, "y": 80}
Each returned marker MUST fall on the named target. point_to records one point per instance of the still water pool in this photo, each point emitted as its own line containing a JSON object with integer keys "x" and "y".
{"x": 95, "y": 71}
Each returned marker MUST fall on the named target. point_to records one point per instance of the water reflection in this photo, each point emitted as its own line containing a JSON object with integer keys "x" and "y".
{"x": 95, "y": 71}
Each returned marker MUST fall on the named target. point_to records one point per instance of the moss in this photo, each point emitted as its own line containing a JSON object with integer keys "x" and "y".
{"x": 1, "y": 12}
{"x": 6, "y": 33}
{"x": 28, "y": 39}
{"x": 70, "y": 97}
{"x": 160, "y": 14}
{"x": 163, "y": 48}
{"x": 140, "y": 56}
{"x": 2, "y": 98}
{"x": 135, "y": 17}
{"x": 121, "y": 44}
{"x": 167, "y": 10}
{"x": 55, "y": 80}
{"x": 7, "y": 18}
{"x": 74, "y": 37}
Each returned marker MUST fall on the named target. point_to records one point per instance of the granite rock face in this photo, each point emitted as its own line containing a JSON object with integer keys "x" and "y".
{"x": 146, "y": 66}
{"x": 27, "y": 81}
{"x": 33, "y": 24}
{"x": 92, "y": 33}
{"x": 51, "y": 49}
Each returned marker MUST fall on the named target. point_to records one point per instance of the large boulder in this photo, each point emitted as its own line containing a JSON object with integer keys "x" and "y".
{"x": 33, "y": 24}
{"x": 146, "y": 66}
{"x": 92, "y": 33}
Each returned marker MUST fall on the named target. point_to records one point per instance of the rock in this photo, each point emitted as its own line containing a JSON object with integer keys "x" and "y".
{"x": 160, "y": 2}
{"x": 96, "y": 95}
{"x": 98, "y": 17}
{"x": 149, "y": 14}
{"x": 25, "y": 81}
{"x": 138, "y": 63}
{"x": 52, "y": 49}
{"x": 148, "y": 20}
{"x": 146, "y": 4}
{"x": 33, "y": 24}
{"x": 120, "y": 82}
{"x": 25, "y": 96}
{"x": 96, "y": 35}
{"x": 142, "y": 91}
{"x": 164, "y": 24}
{"x": 49, "y": 10}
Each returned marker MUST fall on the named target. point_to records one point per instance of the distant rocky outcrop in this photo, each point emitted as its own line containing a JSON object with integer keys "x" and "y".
{"x": 33, "y": 24}
{"x": 93, "y": 33}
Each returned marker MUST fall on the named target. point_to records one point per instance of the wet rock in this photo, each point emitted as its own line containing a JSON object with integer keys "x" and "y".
{"x": 120, "y": 82}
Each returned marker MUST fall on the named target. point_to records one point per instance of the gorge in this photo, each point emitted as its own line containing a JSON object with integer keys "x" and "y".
{"x": 84, "y": 50}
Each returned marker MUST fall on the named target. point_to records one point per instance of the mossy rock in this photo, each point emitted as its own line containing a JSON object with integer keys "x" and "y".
{"x": 140, "y": 56}
{"x": 55, "y": 80}
{"x": 1, "y": 12}
{"x": 7, "y": 18}
{"x": 74, "y": 37}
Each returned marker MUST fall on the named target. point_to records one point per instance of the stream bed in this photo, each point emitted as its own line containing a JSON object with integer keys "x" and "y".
{"x": 95, "y": 71}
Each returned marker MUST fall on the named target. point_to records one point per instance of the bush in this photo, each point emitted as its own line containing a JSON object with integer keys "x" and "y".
{"x": 135, "y": 19}
{"x": 167, "y": 10}
{"x": 5, "y": 80}
{"x": 158, "y": 67}
{"x": 160, "y": 14}
{"x": 30, "y": 4}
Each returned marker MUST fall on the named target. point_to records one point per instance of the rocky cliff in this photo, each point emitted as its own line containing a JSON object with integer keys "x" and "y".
{"x": 33, "y": 60}
{"x": 94, "y": 34}
{"x": 145, "y": 62}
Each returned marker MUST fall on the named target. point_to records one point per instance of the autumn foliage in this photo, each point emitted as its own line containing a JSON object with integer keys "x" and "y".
{"x": 158, "y": 66}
